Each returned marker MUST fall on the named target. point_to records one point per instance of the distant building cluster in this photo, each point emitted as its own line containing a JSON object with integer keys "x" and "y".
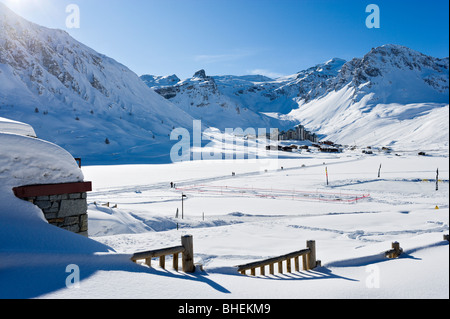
{"x": 299, "y": 133}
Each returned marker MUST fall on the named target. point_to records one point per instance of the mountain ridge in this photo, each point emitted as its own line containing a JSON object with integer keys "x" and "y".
{"x": 98, "y": 109}
{"x": 332, "y": 97}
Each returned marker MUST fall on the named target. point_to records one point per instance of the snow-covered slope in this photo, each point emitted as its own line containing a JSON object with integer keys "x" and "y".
{"x": 78, "y": 98}
{"x": 411, "y": 126}
{"x": 156, "y": 81}
{"x": 396, "y": 74}
{"x": 392, "y": 96}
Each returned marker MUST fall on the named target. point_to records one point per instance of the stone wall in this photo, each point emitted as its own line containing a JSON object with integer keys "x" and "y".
{"x": 64, "y": 207}
{"x": 67, "y": 211}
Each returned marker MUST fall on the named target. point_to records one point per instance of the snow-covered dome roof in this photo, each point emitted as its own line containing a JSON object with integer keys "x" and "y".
{"x": 14, "y": 127}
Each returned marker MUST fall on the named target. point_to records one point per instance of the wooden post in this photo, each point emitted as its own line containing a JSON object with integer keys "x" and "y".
{"x": 280, "y": 267}
{"x": 297, "y": 263}
{"x": 288, "y": 262}
{"x": 188, "y": 255}
{"x": 263, "y": 272}
{"x": 305, "y": 262}
{"x": 78, "y": 160}
{"x": 162, "y": 262}
{"x": 396, "y": 247}
{"x": 148, "y": 262}
{"x": 446, "y": 237}
{"x": 175, "y": 262}
{"x": 395, "y": 251}
{"x": 311, "y": 244}
{"x": 271, "y": 270}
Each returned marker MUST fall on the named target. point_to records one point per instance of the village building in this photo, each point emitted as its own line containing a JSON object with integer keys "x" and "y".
{"x": 299, "y": 133}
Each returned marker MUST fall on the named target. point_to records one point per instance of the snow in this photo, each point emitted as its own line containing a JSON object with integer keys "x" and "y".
{"x": 31, "y": 249}
{"x": 364, "y": 123}
{"x": 10, "y": 126}
{"x": 236, "y": 228}
{"x": 28, "y": 161}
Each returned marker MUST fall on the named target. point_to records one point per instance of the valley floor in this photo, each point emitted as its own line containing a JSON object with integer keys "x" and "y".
{"x": 267, "y": 209}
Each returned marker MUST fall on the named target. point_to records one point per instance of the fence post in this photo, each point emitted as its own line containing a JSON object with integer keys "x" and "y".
{"x": 288, "y": 265}
{"x": 311, "y": 244}
{"x": 175, "y": 262}
{"x": 188, "y": 254}
{"x": 297, "y": 263}
{"x": 396, "y": 247}
{"x": 305, "y": 262}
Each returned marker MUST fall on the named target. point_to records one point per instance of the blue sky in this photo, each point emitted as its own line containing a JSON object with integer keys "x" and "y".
{"x": 271, "y": 37}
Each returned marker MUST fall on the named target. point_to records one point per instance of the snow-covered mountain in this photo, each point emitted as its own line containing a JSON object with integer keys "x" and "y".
{"x": 256, "y": 93}
{"x": 213, "y": 99}
{"x": 97, "y": 109}
{"x": 387, "y": 93}
{"x": 396, "y": 74}
{"x": 155, "y": 80}
{"x": 392, "y": 96}
{"x": 86, "y": 102}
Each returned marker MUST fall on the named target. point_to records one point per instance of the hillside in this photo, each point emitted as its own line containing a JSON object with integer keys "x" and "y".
{"x": 392, "y": 96}
{"x": 77, "y": 98}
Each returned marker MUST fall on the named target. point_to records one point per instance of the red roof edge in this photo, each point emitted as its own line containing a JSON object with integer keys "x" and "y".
{"x": 52, "y": 189}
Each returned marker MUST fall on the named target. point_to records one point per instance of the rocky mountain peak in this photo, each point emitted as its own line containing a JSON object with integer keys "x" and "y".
{"x": 200, "y": 74}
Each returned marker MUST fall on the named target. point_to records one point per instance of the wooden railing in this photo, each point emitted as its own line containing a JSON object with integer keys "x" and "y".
{"x": 308, "y": 258}
{"x": 186, "y": 249}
